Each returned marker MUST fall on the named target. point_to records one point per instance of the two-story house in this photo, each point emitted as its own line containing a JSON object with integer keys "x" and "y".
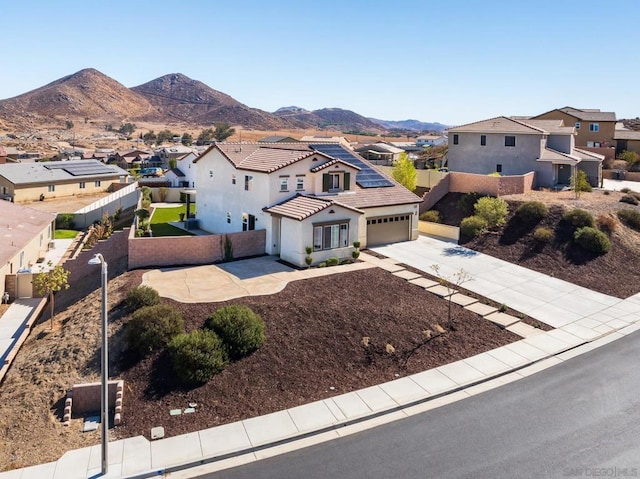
{"x": 431, "y": 140}
{"x": 322, "y": 196}
{"x": 184, "y": 174}
{"x": 594, "y": 128}
{"x": 507, "y": 146}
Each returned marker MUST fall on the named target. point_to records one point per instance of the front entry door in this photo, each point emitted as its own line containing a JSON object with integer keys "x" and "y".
{"x": 564, "y": 174}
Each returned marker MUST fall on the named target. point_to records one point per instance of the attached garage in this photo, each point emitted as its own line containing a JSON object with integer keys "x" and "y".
{"x": 388, "y": 229}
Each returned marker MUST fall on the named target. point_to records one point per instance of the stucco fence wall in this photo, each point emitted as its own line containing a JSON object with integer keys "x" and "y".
{"x": 626, "y": 175}
{"x": 124, "y": 198}
{"x": 439, "y": 230}
{"x": 183, "y": 250}
{"x": 457, "y": 182}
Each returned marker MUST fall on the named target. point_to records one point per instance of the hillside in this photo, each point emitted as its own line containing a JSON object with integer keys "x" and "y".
{"x": 85, "y": 94}
{"x": 178, "y": 97}
{"x": 412, "y": 125}
{"x": 331, "y": 118}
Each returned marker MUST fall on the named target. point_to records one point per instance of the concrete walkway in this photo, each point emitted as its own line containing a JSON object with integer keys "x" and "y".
{"x": 586, "y": 320}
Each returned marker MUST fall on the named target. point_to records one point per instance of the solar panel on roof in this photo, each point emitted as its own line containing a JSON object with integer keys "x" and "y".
{"x": 367, "y": 177}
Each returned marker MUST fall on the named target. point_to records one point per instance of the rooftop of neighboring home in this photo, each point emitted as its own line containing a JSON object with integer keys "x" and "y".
{"x": 586, "y": 114}
{"x": 176, "y": 171}
{"x": 19, "y": 225}
{"x": 3, "y": 152}
{"x": 277, "y": 139}
{"x": 516, "y": 125}
{"x": 175, "y": 149}
{"x": 59, "y": 171}
{"x": 626, "y": 135}
{"x": 268, "y": 158}
{"x": 380, "y": 147}
{"x": 429, "y": 137}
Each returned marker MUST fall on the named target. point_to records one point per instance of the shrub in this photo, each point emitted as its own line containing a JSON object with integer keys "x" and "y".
{"x": 467, "y": 202}
{"x": 241, "y": 330}
{"x": 197, "y": 356}
{"x": 606, "y": 223}
{"x": 631, "y": 218}
{"x": 629, "y": 199}
{"x": 625, "y": 190}
{"x": 146, "y": 192}
{"x": 64, "y": 221}
{"x": 152, "y": 327}
{"x": 532, "y": 211}
{"x": 322, "y": 265}
{"x": 493, "y": 210}
{"x": 332, "y": 261}
{"x": 356, "y": 244}
{"x": 606, "y": 192}
{"x": 141, "y": 296}
{"x": 145, "y": 203}
{"x": 578, "y": 218}
{"x": 543, "y": 235}
{"x": 592, "y": 239}
{"x": 355, "y": 254}
{"x": 432, "y": 215}
{"x": 472, "y": 226}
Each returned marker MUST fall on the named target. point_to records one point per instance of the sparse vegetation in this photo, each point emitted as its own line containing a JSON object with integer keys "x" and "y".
{"x": 467, "y": 202}
{"x": 152, "y": 327}
{"x": 473, "y": 226}
{"x": 241, "y": 330}
{"x": 197, "y": 356}
{"x": 606, "y": 224}
{"x": 580, "y": 183}
{"x": 592, "y": 240}
{"x": 629, "y": 199}
{"x": 432, "y": 215}
{"x": 141, "y": 296}
{"x": 532, "y": 211}
{"x": 543, "y": 235}
{"x": 404, "y": 172}
{"x": 579, "y": 218}
{"x": 492, "y": 210}
{"x": 631, "y": 218}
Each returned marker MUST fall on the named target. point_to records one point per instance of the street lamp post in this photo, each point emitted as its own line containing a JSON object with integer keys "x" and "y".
{"x": 104, "y": 406}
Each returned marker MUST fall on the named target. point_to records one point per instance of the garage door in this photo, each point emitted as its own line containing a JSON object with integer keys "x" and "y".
{"x": 388, "y": 229}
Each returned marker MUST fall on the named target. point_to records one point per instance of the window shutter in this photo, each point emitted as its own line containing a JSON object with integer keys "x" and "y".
{"x": 326, "y": 182}
{"x": 347, "y": 181}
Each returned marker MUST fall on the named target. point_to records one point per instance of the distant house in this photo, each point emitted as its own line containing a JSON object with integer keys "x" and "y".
{"x": 168, "y": 153}
{"x": 514, "y": 147}
{"x": 316, "y": 195}
{"x": 133, "y": 158}
{"x": 380, "y": 153}
{"x": 341, "y": 140}
{"x": 628, "y": 140}
{"x": 39, "y": 181}
{"x": 277, "y": 139}
{"x": 26, "y": 234}
{"x": 431, "y": 140}
{"x": 594, "y": 128}
{"x": 176, "y": 177}
{"x": 3, "y": 155}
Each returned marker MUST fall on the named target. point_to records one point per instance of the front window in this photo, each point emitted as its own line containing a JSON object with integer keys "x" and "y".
{"x": 331, "y": 236}
{"x": 82, "y": 185}
{"x": 509, "y": 141}
{"x": 577, "y": 125}
{"x": 97, "y": 184}
{"x": 334, "y": 182}
{"x": 594, "y": 127}
{"x": 248, "y": 183}
{"x": 483, "y": 140}
{"x": 52, "y": 188}
{"x": 455, "y": 139}
{"x": 284, "y": 184}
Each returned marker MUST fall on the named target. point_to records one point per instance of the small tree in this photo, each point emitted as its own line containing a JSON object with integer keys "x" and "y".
{"x": 223, "y": 131}
{"x": 187, "y": 139}
{"x": 580, "y": 183}
{"x": 47, "y": 284}
{"x": 451, "y": 283}
{"x": 631, "y": 157}
{"x": 150, "y": 137}
{"x": 68, "y": 125}
{"x": 404, "y": 172}
{"x": 205, "y": 136}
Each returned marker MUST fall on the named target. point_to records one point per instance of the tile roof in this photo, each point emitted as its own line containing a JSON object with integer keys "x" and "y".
{"x": 585, "y": 114}
{"x": 588, "y": 155}
{"x": 3, "y": 152}
{"x": 176, "y": 171}
{"x": 301, "y": 207}
{"x": 329, "y": 163}
{"x": 551, "y": 126}
{"x": 19, "y": 225}
{"x": 626, "y": 135}
{"x": 27, "y": 173}
{"x": 500, "y": 124}
{"x": 558, "y": 157}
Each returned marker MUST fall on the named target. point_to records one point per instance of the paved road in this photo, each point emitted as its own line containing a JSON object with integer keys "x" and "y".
{"x": 578, "y": 419}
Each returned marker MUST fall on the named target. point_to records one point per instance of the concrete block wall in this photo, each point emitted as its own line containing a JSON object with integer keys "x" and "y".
{"x": 435, "y": 194}
{"x": 181, "y": 250}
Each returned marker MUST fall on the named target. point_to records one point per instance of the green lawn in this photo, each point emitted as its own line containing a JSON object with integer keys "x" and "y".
{"x": 65, "y": 234}
{"x": 162, "y": 216}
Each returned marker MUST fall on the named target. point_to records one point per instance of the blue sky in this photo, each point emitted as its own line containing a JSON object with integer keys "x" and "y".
{"x": 451, "y": 62}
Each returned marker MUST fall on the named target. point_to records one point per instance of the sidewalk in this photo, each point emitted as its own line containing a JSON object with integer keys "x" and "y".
{"x": 585, "y": 320}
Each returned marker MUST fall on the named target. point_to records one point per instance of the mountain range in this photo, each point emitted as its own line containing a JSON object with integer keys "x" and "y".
{"x": 92, "y": 95}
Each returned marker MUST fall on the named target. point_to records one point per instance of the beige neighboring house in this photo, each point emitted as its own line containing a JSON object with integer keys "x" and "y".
{"x": 25, "y": 237}
{"x": 341, "y": 140}
{"x": 507, "y": 146}
{"x": 628, "y": 140}
{"x": 23, "y": 182}
{"x": 594, "y": 128}
{"x": 380, "y": 153}
{"x": 317, "y": 195}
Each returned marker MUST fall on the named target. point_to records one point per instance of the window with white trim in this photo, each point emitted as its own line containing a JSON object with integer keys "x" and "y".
{"x": 330, "y": 236}
{"x": 284, "y": 184}
{"x": 52, "y": 188}
{"x": 82, "y": 185}
{"x": 97, "y": 184}
{"x": 594, "y": 127}
{"x": 248, "y": 183}
{"x": 300, "y": 183}
{"x": 577, "y": 125}
{"x": 228, "y": 217}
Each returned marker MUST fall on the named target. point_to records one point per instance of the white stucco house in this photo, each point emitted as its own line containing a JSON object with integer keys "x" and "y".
{"x": 322, "y": 196}
{"x": 184, "y": 174}
{"x": 509, "y": 146}
{"x": 431, "y": 140}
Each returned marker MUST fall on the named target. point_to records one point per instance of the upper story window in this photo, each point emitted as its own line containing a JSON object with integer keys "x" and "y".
{"x": 594, "y": 127}
{"x": 284, "y": 184}
{"x": 483, "y": 140}
{"x": 336, "y": 181}
{"x": 300, "y": 183}
{"x": 456, "y": 139}
{"x": 577, "y": 125}
{"x": 509, "y": 141}
{"x": 248, "y": 183}
{"x": 210, "y": 173}
{"x": 233, "y": 179}
{"x": 228, "y": 217}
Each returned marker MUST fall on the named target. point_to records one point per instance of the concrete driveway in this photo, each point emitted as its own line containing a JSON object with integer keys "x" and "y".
{"x": 550, "y": 300}
{"x": 250, "y": 277}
